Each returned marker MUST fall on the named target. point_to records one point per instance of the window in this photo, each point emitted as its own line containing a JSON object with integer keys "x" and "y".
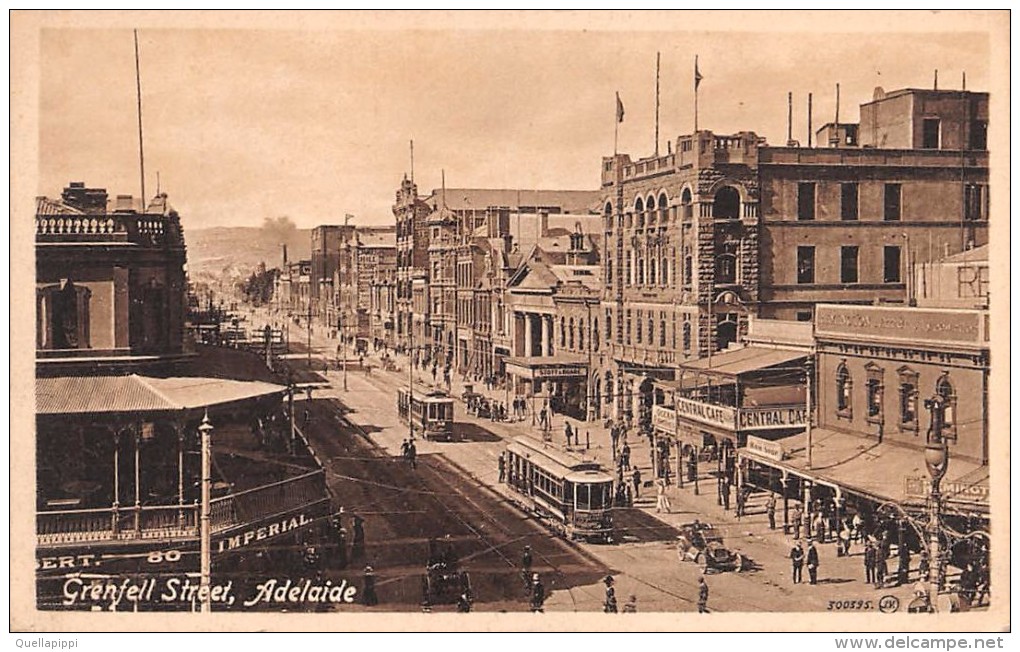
{"x": 563, "y": 332}
{"x": 891, "y": 273}
{"x": 687, "y": 335}
{"x": 637, "y": 335}
{"x": 848, "y": 264}
{"x": 686, "y": 207}
{"x": 803, "y": 315}
{"x": 609, "y": 325}
{"x": 979, "y": 134}
{"x": 627, "y": 329}
{"x": 805, "y": 264}
{"x": 726, "y": 205}
{"x": 609, "y": 271}
{"x": 653, "y": 275}
{"x": 908, "y": 399}
{"x": 62, "y": 316}
{"x": 930, "y": 132}
{"x": 664, "y": 271}
{"x": 726, "y": 268}
{"x": 626, "y": 270}
{"x": 651, "y": 329}
{"x": 875, "y": 389}
{"x": 944, "y": 388}
{"x": 844, "y": 392}
{"x": 688, "y": 269}
{"x": 893, "y": 192}
{"x": 805, "y": 201}
{"x": 662, "y": 329}
{"x": 972, "y": 202}
{"x": 571, "y": 338}
{"x": 663, "y": 208}
{"x": 848, "y": 201}
{"x": 595, "y": 334}
{"x": 580, "y": 335}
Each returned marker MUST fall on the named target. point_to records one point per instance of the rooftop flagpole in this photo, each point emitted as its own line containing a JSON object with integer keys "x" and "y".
{"x": 657, "y": 59}
{"x": 138, "y": 88}
{"x": 697, "y": 82}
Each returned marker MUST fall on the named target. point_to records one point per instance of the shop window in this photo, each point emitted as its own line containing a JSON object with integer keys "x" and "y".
{"x": 891, "y": 271}
{"x": 875, "y": 393}
{"x": 945, "y": 389}
{"x": 892, "y": 199}
{"x": 848, "y": 264}
{"x": 805, "y": 201}
{"x": 931, "y": 129}
{"x": 844, "y": 392}
{"x": 805, "y": 264}
{"x": 908, "y": 400}
{"x": 848, "y": 205}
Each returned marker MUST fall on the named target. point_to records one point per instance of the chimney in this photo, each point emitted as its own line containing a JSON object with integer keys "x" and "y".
{"x": 284, "y": 245}
{"x": 125, "y": 204}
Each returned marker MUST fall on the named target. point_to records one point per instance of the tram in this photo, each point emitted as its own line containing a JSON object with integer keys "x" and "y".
{"x": 430, "y": 412}
{"x": 575, "y": 496}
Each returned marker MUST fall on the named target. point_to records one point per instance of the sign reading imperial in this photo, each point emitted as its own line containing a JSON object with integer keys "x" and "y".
{"x": 715, "y": 415}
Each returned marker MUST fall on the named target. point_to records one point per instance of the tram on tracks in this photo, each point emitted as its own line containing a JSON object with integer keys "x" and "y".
{"x": 429, "y": 411}
{"x": 575, "y": 496}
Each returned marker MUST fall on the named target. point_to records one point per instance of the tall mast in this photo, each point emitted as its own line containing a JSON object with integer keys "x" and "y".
{"x": 138, "y": 87}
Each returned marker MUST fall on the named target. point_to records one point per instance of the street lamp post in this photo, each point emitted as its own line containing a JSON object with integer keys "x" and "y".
{"x": 936, "y": 458}
{"x": 205, "y": 543}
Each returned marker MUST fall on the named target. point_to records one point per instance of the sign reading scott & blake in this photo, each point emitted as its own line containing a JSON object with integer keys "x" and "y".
{"x": 562, "y": 371}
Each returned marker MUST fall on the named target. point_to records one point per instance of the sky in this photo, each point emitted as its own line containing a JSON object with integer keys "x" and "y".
{"x": 243, "y": 124}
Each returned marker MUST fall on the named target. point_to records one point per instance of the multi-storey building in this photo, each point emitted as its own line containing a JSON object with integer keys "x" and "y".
{"x": 327, "y": 241}
{"x": 366, "y": 263}
{"x": 412, "y": 234}
{"x": 124, "y": 408}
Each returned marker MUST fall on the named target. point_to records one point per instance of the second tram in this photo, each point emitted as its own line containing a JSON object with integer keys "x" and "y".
{"x": 429, "y": 411}
{"x": 574, "y": 495}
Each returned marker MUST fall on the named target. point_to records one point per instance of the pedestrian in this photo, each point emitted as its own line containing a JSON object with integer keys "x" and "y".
{"x": 358, "y": 544}
{"x": 625, "y": 457}
{"x": 726, "y": 494}
{"x": 812, "y": 562}
{"x": 537, "y": 595}
{"x": 609, "y": 606}
{"x": 630, "y": 607}
{"x": 857, "y": 525}
{"x": 924, "y": 565}
{"x": 464, "y": 603}
{"x": 770, "y": 510}
{"x": 881, "y": 568}
{"x": 702, "y": 595}
{"x": 741, "y": 500}
{"x": 869, "y": 563}
{"x": 819, "y": 527}
{"x": 526, "y": 559}
{"x": 412, "y": 455}
{"x": 845, "y": 537}
{"x": 568, "y": 432}
{"x": 502, "y": 468}
{"x": 662, "y": 500}
{"x": 630, "y": 496}
{"x": 403, "y": 449}
{"x": 797, "y": 559}
{"x": 312, "y": 560}
{"x": 368, "y": 596}
{"x": 636, "y": 479}
{"x": 614, "y": 439}
{"x": 903, "y": 568}
{"x": 795, "y": 516}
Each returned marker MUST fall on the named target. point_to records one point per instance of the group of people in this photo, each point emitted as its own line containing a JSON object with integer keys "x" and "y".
{"x": 409, "y": 452}
{"x": 798, "y": 558}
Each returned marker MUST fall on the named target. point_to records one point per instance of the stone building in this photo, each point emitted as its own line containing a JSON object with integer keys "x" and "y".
{"x": 412, "y": 234}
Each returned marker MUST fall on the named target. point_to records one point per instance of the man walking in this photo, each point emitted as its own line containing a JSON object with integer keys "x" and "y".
{"x": 770, "y": 509}
{"x": 812, "y": 562}
{"x": 368, "y": 596}
{"x": 625, "y": 457}
{"x": 797, "y": 559}
{"x": 702, "y": 595}
{"x": 796, "y": 515}
{"x": 537, "y": 595}
{"x": 636, "y": 479}
{"x": 569, "y": 433}
{"x": 869, "y": 563}
{"x": 412, "y": 455}
{"x": 501, "y": 463}
{"x": 609, "y": 606}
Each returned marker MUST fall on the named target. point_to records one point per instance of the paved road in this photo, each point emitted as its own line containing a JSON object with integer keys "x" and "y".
{"x": 403, "y": 507}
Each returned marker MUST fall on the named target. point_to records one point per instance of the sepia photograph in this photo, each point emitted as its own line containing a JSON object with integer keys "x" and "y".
{"x": 519, "y": 320}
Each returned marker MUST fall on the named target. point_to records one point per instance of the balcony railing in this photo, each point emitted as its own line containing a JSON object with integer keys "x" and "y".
{"x": 178, "y": 521}
{"x": 148, "y": 230}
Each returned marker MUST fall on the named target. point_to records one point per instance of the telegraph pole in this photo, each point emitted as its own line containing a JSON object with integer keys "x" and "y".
{"x": 205, "y": 533}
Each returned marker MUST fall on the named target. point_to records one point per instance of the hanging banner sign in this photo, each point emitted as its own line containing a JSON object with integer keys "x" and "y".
{"x": 765, "y": 418}
{"x": 772, "y": 450}
{"x": 715, "y": 415}
{"x": 664, "y": 419}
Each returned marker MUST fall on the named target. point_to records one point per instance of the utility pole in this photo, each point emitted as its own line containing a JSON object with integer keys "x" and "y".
{"x": 205, "y": 542}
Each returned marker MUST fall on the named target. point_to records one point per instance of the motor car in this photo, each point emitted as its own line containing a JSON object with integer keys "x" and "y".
{"x": 702, "y": 544}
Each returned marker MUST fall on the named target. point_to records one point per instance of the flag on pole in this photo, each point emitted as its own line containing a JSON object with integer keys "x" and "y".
{"x": 697, "y": 74}
{"x": 619, "y": 108}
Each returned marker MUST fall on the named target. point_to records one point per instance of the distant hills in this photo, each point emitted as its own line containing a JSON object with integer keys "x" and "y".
{"x": 220, "y": 254}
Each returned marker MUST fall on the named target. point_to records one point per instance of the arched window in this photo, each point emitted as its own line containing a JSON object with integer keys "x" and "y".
{"x": 563, "y": 332}
{"x": 571, "y": 340}
{"x": 687, "y": 336}
{"x": 638, "y": 325}
{"x": 944, "y": 388}
{"x": 653, "y": 275}
{"x": 844, "y": 391}
{"x": 629, "y": 220}
{"x": 726, "y": 268}
{"x": 662, "y": 329}
{"x": 908, "y": 399}
{"x": 609, "y": 325}
{"x": 650, "y": 207}
{"x": 664, "y": 271}
{"x": 726, "y": 205}
{"x": 663, "y": 208}
{"x": 688, "y": 267}
{"x": 595, "y": 334}
{"x": 875, "y": 392}
{"x": 686, "y": 205}
{"x": 639, "y": 212}
{"x": 580, "y": 334}
{"x": 609, "y": 216}
{"x": 640, "y": 269}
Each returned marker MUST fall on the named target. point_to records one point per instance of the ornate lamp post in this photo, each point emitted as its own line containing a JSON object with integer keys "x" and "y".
{"x": 205, "y": 532}
{"x": 936, "y": 458}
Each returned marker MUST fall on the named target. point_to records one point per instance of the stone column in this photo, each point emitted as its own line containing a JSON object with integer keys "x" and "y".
{"x": 528, "y": 335}
{"x": 547, "y": 348}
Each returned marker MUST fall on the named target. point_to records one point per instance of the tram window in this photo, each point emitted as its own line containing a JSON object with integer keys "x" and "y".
{"x": 583, "y": 496}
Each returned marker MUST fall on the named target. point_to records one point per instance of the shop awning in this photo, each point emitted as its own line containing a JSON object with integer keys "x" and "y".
{"x": 134, "y": 393}
{"x": 749, "y": 359}
{"x": 882, "y": 471}
{"x": 548, "y": 367}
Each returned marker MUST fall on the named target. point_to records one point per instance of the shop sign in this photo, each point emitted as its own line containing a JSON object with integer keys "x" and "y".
{"x": 715, "y": 415}
{"x": 565, "y": 371}
{"x": 772, "y": 450}
{"x": 765, "y": 418}
{"x": 920, "y": 487}
{"x": 267, "y": 531}
{"x": 906, "y": 325}
{"x": 664, "y": 419}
